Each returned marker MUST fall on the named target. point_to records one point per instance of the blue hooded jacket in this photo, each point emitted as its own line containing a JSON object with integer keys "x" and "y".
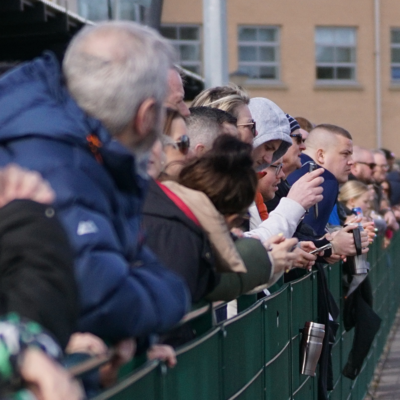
{"x": 330, "y": 194}
{"x": 124, "y": 290}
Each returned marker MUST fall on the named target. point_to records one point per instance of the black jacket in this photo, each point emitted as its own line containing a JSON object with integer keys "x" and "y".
{"x": 179, "y": 243}
{"x": 36, "y": 268}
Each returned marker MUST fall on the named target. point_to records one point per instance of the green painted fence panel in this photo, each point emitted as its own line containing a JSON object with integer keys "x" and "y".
{"x": 256, "y": 355}
{"x": 144, "y": 383}
{"x": 196, "y": 377}
{"x": 255, "y": 390}
{"x": 277, "y": 345}
{"x": 277, "y": 323}
{"x": 337, "y": 360}
{"x": 302, "y": 300}
{"x": 242, "y": 349}
{"x": 277, "y": 373}
{"x": 307, "y": 390}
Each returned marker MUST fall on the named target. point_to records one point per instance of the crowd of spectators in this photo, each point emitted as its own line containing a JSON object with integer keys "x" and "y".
{"x": 122, "y": 207}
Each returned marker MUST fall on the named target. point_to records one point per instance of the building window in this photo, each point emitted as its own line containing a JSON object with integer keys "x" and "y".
{"x": 335, "y": 54}
{"x": 186, "y": 40}
{"x": 395, "y": 54}
{"x": 101, "y": 10}
{"x": 259, "y": 52}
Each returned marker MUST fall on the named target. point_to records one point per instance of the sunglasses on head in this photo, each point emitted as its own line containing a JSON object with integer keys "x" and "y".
{"x": 298, "y": 138}
{"x": 251, "y": 125}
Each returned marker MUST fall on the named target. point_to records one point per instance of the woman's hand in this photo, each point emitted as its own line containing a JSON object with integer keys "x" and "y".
{"x": 303, "y": 257}
{"x": 86, "y": 343}
{"x": 162, "y": 352}
{"x": 281, "y": 252}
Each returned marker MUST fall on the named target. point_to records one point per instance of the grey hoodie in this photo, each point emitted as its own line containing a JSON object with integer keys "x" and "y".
{"x": 272, "y": 124}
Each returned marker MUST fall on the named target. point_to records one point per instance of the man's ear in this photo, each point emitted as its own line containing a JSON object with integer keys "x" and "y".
{"x": 199, "y": 150}
{"x": 320, "y": 157}
{"x": 145, "y": 118}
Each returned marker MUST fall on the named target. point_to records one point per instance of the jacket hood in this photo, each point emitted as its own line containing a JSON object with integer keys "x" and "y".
{"x": 35, "y": 102}
{"x": 272, "y": 124}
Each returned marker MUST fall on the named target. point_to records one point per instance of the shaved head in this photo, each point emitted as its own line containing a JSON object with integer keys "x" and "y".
{"x": 325, "y": 135}
{"x": 331, "y": 147}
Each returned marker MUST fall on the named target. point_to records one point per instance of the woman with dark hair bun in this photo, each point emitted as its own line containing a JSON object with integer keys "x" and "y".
{"x": 188, "y": 223}
{"x": 185, "y": 227}
{"x": 226, "y": 175}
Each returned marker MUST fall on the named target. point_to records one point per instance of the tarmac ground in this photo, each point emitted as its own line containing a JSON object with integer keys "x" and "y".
{"x": 386, "y": 383}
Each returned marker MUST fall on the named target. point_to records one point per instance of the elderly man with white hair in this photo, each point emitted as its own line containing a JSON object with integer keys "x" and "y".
{"x": 83, "y": 138}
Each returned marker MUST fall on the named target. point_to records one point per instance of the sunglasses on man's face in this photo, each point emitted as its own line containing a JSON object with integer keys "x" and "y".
{"x": 251, "y": 125}
{"x": 298, "y": 138}
{"x": 370, "y": 165}
{"x": 183, "y": 144}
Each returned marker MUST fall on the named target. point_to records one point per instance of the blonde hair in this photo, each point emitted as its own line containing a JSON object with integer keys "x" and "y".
{"x": 226, "y": 98}
{"x": 352, "y": 190}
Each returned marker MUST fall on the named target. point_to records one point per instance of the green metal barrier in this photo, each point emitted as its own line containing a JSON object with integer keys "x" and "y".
{"x": 256, "y": 355}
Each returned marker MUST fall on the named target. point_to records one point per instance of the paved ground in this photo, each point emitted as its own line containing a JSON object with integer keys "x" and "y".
{"x": 387, "y": 376}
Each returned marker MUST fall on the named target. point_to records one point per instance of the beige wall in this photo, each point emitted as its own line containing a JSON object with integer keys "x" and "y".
{"x": 351, "y": 107}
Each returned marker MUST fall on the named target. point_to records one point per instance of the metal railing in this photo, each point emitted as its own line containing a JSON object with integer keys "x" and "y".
{"x": 255, "y": 355}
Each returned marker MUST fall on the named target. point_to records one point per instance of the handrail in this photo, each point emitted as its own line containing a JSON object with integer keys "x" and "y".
{"x": 211, "y": 354}
{"x": 92, "y": 363}
{"x": 97, "y": 361}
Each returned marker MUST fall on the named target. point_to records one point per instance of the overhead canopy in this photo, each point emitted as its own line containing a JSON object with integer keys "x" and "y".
{"x": 29, "y": 27}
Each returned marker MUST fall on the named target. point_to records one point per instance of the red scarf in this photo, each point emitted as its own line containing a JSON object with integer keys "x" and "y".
{"x": 179, "y": 203}
{"x": 261, "y": 207}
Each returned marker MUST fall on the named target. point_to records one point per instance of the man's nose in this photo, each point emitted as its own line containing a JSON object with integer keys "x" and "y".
{"x": 268, "y": 158}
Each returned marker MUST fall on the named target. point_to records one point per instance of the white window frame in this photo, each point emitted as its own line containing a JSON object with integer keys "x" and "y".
{"x": 275, "y": 44}
{"x": 336, "y": 64}
{"x": 178, "y": 42}
{"x": 394, "y": 64}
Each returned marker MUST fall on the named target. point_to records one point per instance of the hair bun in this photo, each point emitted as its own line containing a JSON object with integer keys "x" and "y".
{"x": 230, "y": 154}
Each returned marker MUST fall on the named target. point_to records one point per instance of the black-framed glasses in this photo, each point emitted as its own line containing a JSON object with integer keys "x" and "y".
{"x": 297, "y": 137}
{"x": 370, "y": 165}
{"x": 278, "y": 168}
{"x": 251, "y": 125}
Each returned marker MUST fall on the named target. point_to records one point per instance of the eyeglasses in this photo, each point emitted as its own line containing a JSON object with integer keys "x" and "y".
{"x": 252, "y": 126}
{"x": 182, "y": 144}
{"x": 383, "y": 166}
{"x": 298, "y": 137}
{"x": 278, "y": 168}
{"x": 370, "y": 165}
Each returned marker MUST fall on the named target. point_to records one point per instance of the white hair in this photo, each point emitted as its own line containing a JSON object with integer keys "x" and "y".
{"x": 111, "y": 68}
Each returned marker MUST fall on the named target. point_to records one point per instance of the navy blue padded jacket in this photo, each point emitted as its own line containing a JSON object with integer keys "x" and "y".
{"x": 124, "y": 290}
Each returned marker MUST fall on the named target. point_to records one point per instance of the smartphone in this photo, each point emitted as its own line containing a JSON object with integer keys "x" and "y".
{"x": 323, "y": 248}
